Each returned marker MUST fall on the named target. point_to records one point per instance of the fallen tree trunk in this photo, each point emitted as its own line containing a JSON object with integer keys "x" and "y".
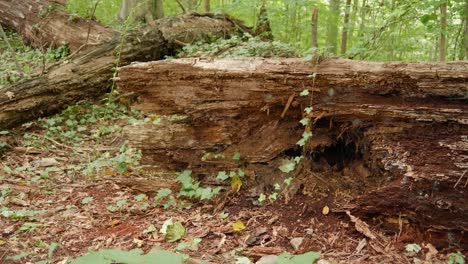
{"x": 45, "y": 23}
{"x": 88, "y": 74}
{"x": 392, "y": 134}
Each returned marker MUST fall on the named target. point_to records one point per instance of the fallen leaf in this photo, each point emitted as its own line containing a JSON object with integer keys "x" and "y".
{"x": 175, "y": 232}
{"x": 236, "y": 183}
{"x": 238, "y": 226}
{"x": 325, "y": 210}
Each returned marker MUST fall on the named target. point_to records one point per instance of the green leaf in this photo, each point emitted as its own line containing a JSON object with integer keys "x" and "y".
{"x": 308, "y": 110}
{"x": 456, "y": 258}
{"x": 151, "y": 228}
{"x": 298, "y": 159}
{"x": 161, "y": 194}
{"x": 140, "y": 197}
{"x": 121, "y": 203}
{"x": 261, "y": 198}
{"x": 305, "y": 121}
{"x": 175, "y": 232}
{"x": 224, "y": 215}
{"x": 185, "y": 179}
{"x": 52, "y": 248}
{"x": 304, "y": 93}
{"x": 18, "y": 256}
{"x": 277, "y": 186}
{"x": 272, "y": 197}
{"x": 413, "y": 248}
{"x": 240, "y": 172}
{"x": 288, "y": 181}
{"x": 222, "y": 175}
{"x": 287, "y": 166}
{"x": 236, "y": 156}
{"x": 165, "y": 225}
{"x": 87, "y": 200}
{"x": 306, "y": 258}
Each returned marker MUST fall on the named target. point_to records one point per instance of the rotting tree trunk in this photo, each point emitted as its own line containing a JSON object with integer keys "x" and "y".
{"x": 46, "y": 23}
{"x": 395, "y": 132}
{"x": 88, "y": 74}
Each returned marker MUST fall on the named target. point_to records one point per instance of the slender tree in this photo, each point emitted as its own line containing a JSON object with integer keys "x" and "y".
{"x": 464, "y": 49}
{"x": 344, "y": 33}
{"x": 314, "y": 26}
{"x": 263, "y": 28}
{"x": 443, "y": 31}
{"x": 158, "y": 9}
{"x": 206, "y": 6}
{"x": 332, "y": 29}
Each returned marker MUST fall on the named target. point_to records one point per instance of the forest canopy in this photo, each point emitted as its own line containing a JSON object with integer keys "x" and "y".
{"x": 379, "y": 30}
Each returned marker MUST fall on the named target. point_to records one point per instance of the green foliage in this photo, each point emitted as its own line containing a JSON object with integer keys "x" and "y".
{"x": 306, "y": 258}
{"x": 456, "y": 258}
{"x": 413, "y": 248}
{"x": 31, "y": 61}
{"x": 192, "y": 189}
{"x": 236, "y": 46}
{"x": 135, "y": 256}
{"x": 105, "y": 12}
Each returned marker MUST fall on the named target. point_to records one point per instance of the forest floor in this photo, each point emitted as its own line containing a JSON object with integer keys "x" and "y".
{"x": 70, "y": 185}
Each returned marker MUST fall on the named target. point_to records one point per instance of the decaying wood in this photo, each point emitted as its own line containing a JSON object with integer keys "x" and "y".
{"x": 406, "y": 122}
{"x": 45, "y": 23}
{"x": 88, "y": 74}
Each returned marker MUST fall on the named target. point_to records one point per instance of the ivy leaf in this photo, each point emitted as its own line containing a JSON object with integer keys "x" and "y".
{"x": 161, "y": 194}
{"x": 287, "y": 166}
{"x": 150, "y": 229}
{"x": 222, "y": 175}
{"x": 288, "y": 181}
{"x": 140, "y": 197}
{"x": 87, "y": 200}
{"x": 298, "y": 159}
{"x": 240, "y": 172}
{"x": 308, "y": 110}
{"x": 304, "y": 93}
{"x": 236, "y": 156}
{"x": 261, "y": 198}
{"x": 413, "y": 248}
{"x": 185, "y": 179}
{"x": 305, "y": 121}
{"x": 277, "y": 186}
{"x": 273, "y": 197}
{"x": 175, "y": 232}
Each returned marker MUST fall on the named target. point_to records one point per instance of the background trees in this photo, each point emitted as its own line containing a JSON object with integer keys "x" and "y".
{"x": 383, "y": 30}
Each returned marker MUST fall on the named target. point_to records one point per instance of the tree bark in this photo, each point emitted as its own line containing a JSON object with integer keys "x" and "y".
{"x": 332, "y": 27}
{"x": 344, "y": 34}
{"x": 206, "y": 6}
{"x": 392, "y": 134}
{"x": 88, "y": 74}
{"x": 314, "y": 26}
{"x": 46, "y": 23}
{"x": 443, "y": 31}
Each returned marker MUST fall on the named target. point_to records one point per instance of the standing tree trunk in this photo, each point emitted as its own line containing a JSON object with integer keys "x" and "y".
{"x": 136, "y": 10}
{"x": 263, "y": 28}
{"x": 344, "y": 35}
{"x": 314, "y": 26}
{"x": 332, "y": 29}
{"x": 158, "y": 9}
{"x": 443, "y": 31}
{"x": 464, "y": 49}
{"x": 206, "y": 6}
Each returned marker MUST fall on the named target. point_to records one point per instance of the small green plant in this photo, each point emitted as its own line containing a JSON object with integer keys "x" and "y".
{"x": 192, "y": 189}
{"x": 456, "y": 258}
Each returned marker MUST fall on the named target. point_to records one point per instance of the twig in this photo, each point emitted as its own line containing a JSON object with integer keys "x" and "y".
{"x": 13, "y": 54}
{"x": 181, "y": 6}
{"x": 91, "y": 19}
{"x": 459, "y": 179}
